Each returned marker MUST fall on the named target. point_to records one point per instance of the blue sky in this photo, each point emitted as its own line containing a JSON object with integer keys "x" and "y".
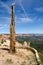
{"x": 28, "y": 16}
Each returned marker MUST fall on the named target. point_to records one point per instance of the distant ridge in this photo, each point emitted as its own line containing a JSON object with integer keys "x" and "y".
{"x": 24, "y": 34}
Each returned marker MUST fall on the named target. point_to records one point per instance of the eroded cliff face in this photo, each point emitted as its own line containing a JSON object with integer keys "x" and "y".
{"x": 12, "y": 32}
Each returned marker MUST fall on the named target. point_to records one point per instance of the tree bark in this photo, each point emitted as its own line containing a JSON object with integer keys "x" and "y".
{"x": 12, "y": 33}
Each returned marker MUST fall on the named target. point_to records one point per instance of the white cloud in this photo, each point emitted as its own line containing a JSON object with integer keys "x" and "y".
{"x": 20, "y": 3}
{"x": 6, "y": 22}
{"x": 28, "y": 19}
{"x": 39, "y": 9}
{"x": 4, "y": 26}
{"x": 8, "y": 18}
{"x": 6, "y": 6}
{"x": 13, "y": 3}
{"x": 5, "y": 19}
{"x": 25, "y": 20}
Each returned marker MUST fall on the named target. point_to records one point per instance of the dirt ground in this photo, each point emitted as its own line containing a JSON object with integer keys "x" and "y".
{"x": 21, "y": 57}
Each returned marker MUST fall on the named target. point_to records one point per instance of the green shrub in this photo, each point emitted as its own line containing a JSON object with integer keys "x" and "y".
{"x": 2, "y": 41}
{"x": 9, "y": 60}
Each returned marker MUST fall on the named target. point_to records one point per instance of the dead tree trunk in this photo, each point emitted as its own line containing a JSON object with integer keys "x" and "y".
{"x": 12, "y": 32}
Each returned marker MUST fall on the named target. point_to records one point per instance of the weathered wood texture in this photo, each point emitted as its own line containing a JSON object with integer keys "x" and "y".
{"x": 12, "y": 32}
